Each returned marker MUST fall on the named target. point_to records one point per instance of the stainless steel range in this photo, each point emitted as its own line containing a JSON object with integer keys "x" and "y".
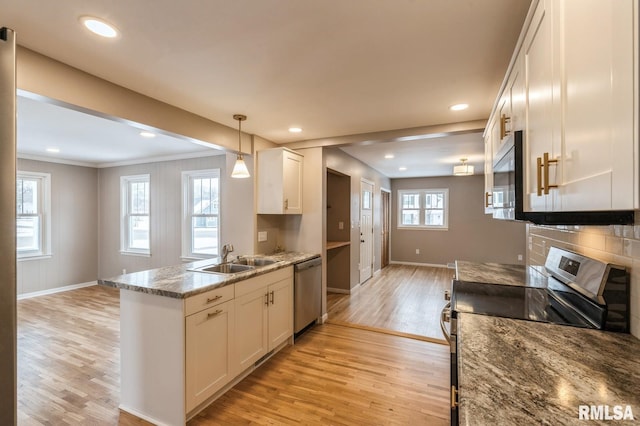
{"x": 570, "y": 289}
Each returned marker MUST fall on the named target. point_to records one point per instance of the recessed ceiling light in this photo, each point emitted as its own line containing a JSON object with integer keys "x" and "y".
{"x": 388, "y": 156}
{"x": 402, "y": 169}
{"x": 53, "y": 150}
{"x": 146, "y": 134}
{"x": 99, "y": 27}
{"x": 458, "y": 107}
{"x": 295, "y": 129}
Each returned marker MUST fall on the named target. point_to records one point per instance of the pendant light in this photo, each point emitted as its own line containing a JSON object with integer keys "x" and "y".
{"x": 463, "y": 169}
{"x": 240, "y": 168}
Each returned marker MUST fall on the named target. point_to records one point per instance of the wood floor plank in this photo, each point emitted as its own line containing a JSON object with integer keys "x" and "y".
{"x": 405, "y": 300}
{"x": 68, "y": 373}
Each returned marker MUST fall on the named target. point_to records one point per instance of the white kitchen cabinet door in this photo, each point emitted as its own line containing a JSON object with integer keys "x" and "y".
{"x": 598, "y": 150}
{"x": 539, "y": 122}
{"x": 279, "y": 181}
{"x": 280, "y": 312}
{"x": 209, "y": 352}
{"x": 251, "y": 327}
{"x": 488, "y": 169}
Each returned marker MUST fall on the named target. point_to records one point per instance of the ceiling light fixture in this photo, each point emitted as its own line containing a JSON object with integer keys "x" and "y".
{"x": 146, "y": 134}
{"x": 463, "y": 169}
{"x": 389, "y": 156}
{"x": 240, "y": 168}
{"x": 99, "y": 27}
{"x": 53, "y": 150}
{"x": 295, "y": 129}
{"x": 402, "y": 169}
{"x": 458, "y": 107}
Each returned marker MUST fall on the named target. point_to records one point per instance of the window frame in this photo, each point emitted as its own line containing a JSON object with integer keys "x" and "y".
{"x": 188, "y": 177}
{"x": 43, "y": 213}
{"x": 422, "y": 209}
{"x": 125, "y": 189}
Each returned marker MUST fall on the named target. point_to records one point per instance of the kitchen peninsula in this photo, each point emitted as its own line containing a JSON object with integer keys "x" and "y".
{"x": 187, "y": 336}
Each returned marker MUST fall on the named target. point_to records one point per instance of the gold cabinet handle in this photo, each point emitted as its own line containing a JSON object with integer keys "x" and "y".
{"x": 271, "y": 293}
{"x": 539, "y": 183}
{"x": 266, "y": 299}
{"x": 454, "y": 397}
{"x": 214, "y": 314}
{"x": 213, "y": 299}
{"x": 504, "y": 121}
{"x": 486, "y": 199}
{"x": 545, "y": 165}
{"x": 286, "y": 204}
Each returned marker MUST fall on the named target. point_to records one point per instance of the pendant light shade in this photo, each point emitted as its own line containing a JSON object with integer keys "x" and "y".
{"x": 463, "y": 169}
{"x": 240, "y": 168}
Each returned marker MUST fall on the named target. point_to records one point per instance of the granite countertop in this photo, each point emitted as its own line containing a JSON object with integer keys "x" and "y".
{"x": 498, "y": 273}
{"x": 515, "y": 372}
{"x": 180, "y": 282}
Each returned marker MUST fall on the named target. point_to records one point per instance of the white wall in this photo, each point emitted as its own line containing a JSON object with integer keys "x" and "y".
{"x": 74, "y": 229}
{"x": 236, "y": 213}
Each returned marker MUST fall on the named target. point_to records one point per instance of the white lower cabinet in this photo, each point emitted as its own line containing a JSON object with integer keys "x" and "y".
{"x": 264, "y": 316}
{"x": 177, "y": 355}
{"x": 209, "y": 343}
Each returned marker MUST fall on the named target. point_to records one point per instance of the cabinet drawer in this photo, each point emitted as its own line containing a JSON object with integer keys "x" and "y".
{"x": 252, "y": 284}
{"x": 210, "y": 298}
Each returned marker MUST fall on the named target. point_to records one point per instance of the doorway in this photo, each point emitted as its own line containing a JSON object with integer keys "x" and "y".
{"x": 366, "y": 230}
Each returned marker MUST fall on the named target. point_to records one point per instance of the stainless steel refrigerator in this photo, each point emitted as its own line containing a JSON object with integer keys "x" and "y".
{"x": 8, "y": 381}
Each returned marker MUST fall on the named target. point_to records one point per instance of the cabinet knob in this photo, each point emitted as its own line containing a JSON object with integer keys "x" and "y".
{"x": 214, "y": 314}
{"x": 213, "y": 299}
{"x": 454, "y": 397}
{"x": 505, "y": 126}
{"x": 486, "y": 199}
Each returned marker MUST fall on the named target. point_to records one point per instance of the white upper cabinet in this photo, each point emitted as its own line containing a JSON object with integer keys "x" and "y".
{"x": 596, "y": 45}
{"x": 572, "y": 88}
{"x": 539, "y": 121}
{"x": 279, "y": 181}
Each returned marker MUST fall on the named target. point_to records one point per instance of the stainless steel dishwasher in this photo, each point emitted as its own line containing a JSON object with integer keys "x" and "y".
{"x": 307, "y": 293}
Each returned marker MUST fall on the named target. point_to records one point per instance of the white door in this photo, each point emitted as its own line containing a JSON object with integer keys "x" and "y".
{"x": 366, "y": 230}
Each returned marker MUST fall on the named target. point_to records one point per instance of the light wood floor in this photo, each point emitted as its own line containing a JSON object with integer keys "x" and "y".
{"x": 405, "y": 300}
{"x": 68, "y": 373}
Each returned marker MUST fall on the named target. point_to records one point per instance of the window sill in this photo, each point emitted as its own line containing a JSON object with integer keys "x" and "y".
{"x": 134, "y": 253}
{"x": 194, "y": 258}
{"x": 423, "y": 228}
{"x": 34, "y": 257}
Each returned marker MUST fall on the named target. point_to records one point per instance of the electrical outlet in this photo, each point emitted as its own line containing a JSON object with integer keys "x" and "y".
{"x": 262, "y": 236}
{"x": 417, "y": 251}
{"x": 520, "y": 258}
{"x": 124, "y": 272}
{"x": 340, "y": 225}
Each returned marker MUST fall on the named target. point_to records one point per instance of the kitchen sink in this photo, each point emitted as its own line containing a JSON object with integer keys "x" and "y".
{"x": 225, "y": 268}
{"x": 254, "y": 261}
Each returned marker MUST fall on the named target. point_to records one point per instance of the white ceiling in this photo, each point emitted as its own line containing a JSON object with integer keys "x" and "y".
{"x": 87, "y": 140}
{"x": 332, "y": 67}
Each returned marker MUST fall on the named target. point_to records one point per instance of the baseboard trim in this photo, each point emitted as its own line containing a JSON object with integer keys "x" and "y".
{"x": 433, "y": 265}
{"x": 338, "y": 290}
{"x": 56, "y": 290}
{"x": 141, "y": 416}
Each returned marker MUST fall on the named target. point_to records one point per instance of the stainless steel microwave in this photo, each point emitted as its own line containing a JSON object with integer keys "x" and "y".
{"x": 509, "y": 191}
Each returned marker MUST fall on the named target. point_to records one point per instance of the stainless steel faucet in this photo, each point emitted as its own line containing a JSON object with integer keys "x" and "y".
{"x": 226, "y": 249}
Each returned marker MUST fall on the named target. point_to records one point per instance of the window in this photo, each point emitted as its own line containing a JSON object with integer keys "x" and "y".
{"x": 135, "y": 229}
{"x": 33, "y": 222}
{"x": 423, "y": 208}
{"x": 201, "y": 217}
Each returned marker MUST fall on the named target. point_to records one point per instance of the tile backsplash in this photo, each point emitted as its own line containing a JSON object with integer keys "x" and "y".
{"x": 614, "y": 244}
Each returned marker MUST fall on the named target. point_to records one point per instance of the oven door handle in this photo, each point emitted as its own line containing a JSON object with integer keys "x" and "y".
{"x": 444, "y": 315}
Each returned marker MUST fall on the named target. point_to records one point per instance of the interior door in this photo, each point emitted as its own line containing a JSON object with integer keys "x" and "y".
{"x": 385, "y": 199}
{"x": 366, "y": 230}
